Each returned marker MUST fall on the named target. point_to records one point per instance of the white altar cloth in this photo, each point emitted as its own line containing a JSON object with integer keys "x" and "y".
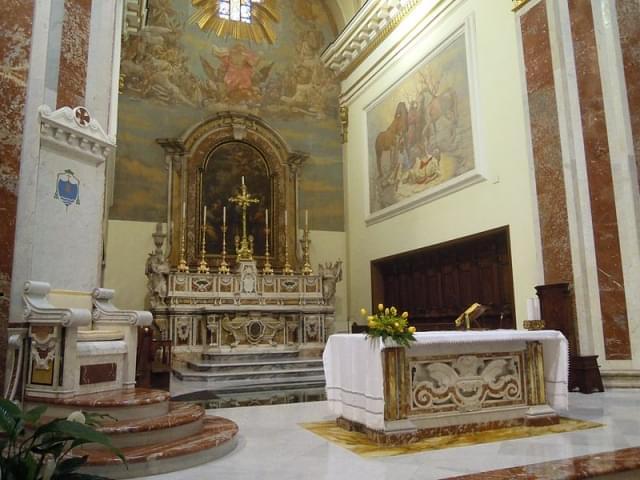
{"x": 353, "y": 367}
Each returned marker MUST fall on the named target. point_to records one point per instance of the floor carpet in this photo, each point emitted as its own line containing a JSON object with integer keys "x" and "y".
{"x": 359, "y": 443}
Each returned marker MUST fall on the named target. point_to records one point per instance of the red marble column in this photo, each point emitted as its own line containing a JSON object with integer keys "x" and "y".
{"x": 605, "y": 224}
{"x": 547, "y": 152}
{"x": 74, "y": 52}
{"x": 629, "y": 26}
{"x": 16, "y": 17}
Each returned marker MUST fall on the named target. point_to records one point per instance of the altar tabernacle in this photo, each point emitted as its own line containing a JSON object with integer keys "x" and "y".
{"x": 446, "y": 382}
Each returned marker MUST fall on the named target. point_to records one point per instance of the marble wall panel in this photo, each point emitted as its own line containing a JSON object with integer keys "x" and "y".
{"x": 629, "y": 27}
{"x": 15, "y": 45}
{"x": 74, "y": 53}
{"x": 547, "y": 153}
{"x": 605, "y": 224}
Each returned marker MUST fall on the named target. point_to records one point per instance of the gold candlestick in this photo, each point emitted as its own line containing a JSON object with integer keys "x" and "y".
{"x": 203, "y": 267}
{"x": 224, "y": 266}
{"x": 244, "y": 199}
{"x": 182, "y": 264}
{"x": 267, "y": 270}
{"x": 287, "y": 270}
{"x": 306, "y": 267}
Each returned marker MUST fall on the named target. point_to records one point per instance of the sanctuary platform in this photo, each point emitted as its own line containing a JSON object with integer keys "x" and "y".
{"x": 154, "y": 434}
{"x": 446, "y": 382}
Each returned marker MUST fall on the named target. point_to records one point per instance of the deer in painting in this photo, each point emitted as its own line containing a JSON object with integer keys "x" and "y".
{"x": 439, "y": 104}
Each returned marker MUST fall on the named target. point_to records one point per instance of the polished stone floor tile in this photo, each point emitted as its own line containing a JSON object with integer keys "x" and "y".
{"x": 272, "y": 446}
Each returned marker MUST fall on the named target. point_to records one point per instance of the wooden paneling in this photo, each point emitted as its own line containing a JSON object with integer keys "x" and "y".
{"x": 437, "y": 283}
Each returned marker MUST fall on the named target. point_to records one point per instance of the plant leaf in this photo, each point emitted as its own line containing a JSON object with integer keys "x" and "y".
{"x": 33, "y": 415}
{"x": 68, "y": 465}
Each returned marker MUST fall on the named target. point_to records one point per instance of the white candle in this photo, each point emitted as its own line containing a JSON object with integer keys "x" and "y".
{"x": 224, "y": 214}
{"x": 242, "y": 179}
{"x": 531, "y": 309}
{"x": 266, "y": 217}
{"x": 536, "y": 304}
{"x": 285, "y": 218}
{"x": 184, "y": 210}
{"x": 204, "y": 216}
{"x": 306, "y": 219}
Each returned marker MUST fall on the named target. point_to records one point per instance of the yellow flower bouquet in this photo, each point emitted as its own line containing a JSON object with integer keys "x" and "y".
{"x": 388, "y": 324}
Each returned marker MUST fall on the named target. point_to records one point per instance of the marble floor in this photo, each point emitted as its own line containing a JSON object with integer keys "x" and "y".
{"x": 272, "y": 445}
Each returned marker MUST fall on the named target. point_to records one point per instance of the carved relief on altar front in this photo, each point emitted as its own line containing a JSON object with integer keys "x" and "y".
{"x": 466, "y": 383}
{"x": 213, "y": 329}
{"x": 183, "y": 330}
{"x": 313, "y": 329}
{"x": 254, "y": 330}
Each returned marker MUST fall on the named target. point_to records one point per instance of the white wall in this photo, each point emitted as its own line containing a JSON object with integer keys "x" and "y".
{"x": 506, "y": 197}
{"x": 129, "y": 244}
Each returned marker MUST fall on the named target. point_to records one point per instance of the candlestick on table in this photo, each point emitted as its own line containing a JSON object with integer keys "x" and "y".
{"x": 286, "y": 270}
{"x": 267, "y": 269}
{"x": 306, "y": 266}
{"x": 224, "y": 266}
{"x": 203, "y": 267}
{"x": 182, "y": 264}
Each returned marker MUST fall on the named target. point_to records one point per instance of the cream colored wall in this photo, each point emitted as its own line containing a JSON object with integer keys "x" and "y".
{"x": 506, "y": 197}
{"x": 127, "y": 247}
{"x": 129, "y": 243}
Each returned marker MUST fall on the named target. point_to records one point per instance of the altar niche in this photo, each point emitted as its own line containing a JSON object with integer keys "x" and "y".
{"x": 439, "y": 282}
{"x": 222, "y": 175}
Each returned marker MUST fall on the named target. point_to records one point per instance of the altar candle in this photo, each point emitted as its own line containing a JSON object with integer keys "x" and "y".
{"x": 536, "y": 304}
{"x": 530, "y": 309}
{"x": 204, "y": 217}
{"x": 306, "y": 219}
{"x": 224, "y": 214}
{"x": 266, "y": 217}
{"x": 184, "y": 210}
{"x": 242, "y": 179}
{"x": 285, "y": 218}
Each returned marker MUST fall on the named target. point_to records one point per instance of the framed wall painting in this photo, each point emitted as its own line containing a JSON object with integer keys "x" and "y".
{"x": 422, "y": 132}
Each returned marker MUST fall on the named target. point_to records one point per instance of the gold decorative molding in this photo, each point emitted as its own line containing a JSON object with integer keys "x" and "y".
{"x": 518, "y": 4}
{"x": 533, "y": 324}
{"x": 263, "y": 15}
{"x": 373, "y": 23}
{"x": 344, "y": 123}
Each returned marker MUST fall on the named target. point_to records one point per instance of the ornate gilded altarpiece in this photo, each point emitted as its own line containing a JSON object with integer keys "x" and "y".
{"x": 206, "y": 167}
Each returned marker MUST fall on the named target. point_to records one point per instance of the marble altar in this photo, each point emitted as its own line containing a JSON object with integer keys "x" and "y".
{"x": 216, "y": 312}
{"x": 446, "y": 382}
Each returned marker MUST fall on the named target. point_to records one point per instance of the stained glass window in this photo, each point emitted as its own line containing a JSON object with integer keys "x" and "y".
{"x": 236, "y": 10}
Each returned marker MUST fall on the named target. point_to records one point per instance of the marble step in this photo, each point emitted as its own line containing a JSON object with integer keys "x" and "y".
{"x": 217, "y": 438}
{"x": 276, "y": 365}
{"x": 252, "y": 355}
{"x": 125, "y": 404}
{"x": 215, "y": 399}
{"x": 251, "y": 384}
{"x": 250, "y": 375}
{"x": 182, "y": 421}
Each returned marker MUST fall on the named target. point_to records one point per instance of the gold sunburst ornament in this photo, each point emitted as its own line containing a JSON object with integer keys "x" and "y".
{"x": 241, "y": 19}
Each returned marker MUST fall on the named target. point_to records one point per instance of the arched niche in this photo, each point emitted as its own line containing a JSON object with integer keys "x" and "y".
{"x": 202, "y": 168}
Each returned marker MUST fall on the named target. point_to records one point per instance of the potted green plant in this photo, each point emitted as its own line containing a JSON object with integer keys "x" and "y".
{"x": 30, "y": 450}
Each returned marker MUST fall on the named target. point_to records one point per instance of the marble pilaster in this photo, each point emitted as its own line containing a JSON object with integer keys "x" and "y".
{"x": 547, "y": 151}
{"x": 628, "y": 14}
{"x": 74, "y": 53}
{"x": 601, "y": 192}
{"x": 15, "y": 46}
